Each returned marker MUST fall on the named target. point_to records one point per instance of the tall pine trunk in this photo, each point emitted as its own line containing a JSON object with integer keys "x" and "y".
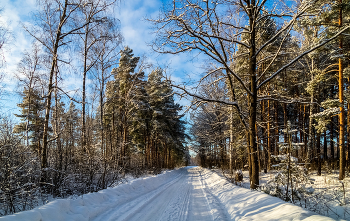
{"x": 276, "y": 150}
{"x": 341, "y": 100}
{"x": 268, "y": 136}
{"x": 318, "y": 145}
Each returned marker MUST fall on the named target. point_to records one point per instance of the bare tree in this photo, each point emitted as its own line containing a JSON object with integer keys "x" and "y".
{"x": 105, "y": 56}
{"x": 5, "y": 38}
{"x": 56, "y": 24}
{"x": 95, "y": 10}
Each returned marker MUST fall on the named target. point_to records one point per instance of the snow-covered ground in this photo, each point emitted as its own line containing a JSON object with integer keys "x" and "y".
{"x": 327, "y": 199}
{"x": 190, "y": 193}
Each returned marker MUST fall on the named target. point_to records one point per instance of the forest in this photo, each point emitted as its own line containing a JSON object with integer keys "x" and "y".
{"x": 125, "y": 120}
{"x": 272, "y": 98}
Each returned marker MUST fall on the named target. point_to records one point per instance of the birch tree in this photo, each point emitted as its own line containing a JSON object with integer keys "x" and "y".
{"x": 55, "y": 25}
{"x": 95, "y": 15}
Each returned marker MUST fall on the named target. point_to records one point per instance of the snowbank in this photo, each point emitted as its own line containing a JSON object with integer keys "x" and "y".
{"x": 245, "y": 204}
{"x": 91, "y": 205}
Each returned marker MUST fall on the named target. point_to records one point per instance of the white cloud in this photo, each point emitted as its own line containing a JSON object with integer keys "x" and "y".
{"x": 135, "y": 29}
{"x": 137, "y": 34}
{"x": 13, "y": 13}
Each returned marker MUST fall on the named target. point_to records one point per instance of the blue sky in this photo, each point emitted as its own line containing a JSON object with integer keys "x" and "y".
{"x": 135, "y": 29}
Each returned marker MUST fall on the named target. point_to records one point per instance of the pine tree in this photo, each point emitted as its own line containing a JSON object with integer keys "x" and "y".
{"x": 32, "y": 107}
{"x": 120, "y": 94}
{"x": 166, "y": 126}
{"x": 332, "y": 18}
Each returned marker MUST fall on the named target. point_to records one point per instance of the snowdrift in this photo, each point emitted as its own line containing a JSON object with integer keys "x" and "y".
{"x": 91, "y": 205}
{"x": 244, "y": 204}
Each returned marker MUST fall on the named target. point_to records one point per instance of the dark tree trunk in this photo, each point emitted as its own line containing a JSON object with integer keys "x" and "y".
{"x": 269, "y": 146}
{"x": 331, "y": 137}
{"x": 285, "y": 118}
{"x": 253, "y": 150}
{"x": 319, "y": 162}
{"x": 276, "y": 149}
{"x": 325, "y": 150}
{"x": 305, "y": 125}
{"x": 266, "y": 159}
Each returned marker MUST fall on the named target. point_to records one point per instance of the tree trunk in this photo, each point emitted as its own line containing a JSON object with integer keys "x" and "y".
{"x": 341, "y": 100}
{"x": 276, "y": 150}
{"x": 231, "y": 142}
{"x": 249, "y": 155}
{"x": 101, "y": 116}
{"x": 57, "y": 178}
{"x": 311, "y": 133}
{"x": 285, "y": 116}
{"x": 331, "y": 137}
{"x": 305, "y": 134}
{"x": 254, "y": 179}
{"x": 50, "y": 88}
{"x": 325, "y": 151}
{"x": 268, "y": 136}
{"x": 258, "y": 148}
{"x": 266, "y": 159}
{"x": 348, "y": 133}
{"x": 84, "y": 91}
{"x": 318, "y": 144}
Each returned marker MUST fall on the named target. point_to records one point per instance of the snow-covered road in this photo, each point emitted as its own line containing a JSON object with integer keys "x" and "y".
{"x": 171, "y": 201}
{"x": 190, "y": 193}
